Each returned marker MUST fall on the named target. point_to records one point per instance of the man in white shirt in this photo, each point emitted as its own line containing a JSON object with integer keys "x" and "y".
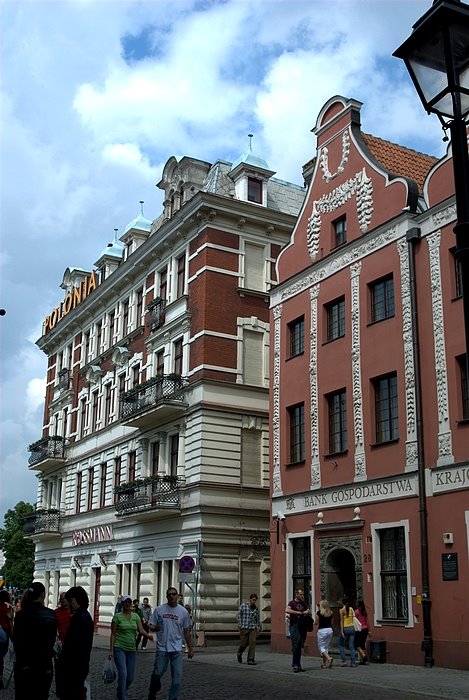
{"x": 173, "y": 624}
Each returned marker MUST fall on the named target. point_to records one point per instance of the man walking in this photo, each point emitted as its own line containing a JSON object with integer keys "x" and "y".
{"x": 297, "y": 609}
{"x": 172, "y": 622}
{"x": 146, "y": 612}
{"x": 249, "y": 626}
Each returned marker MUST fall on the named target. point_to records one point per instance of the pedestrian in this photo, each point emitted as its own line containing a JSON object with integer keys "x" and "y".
{"x": 62, "y": 615}
{"x": 360, "y": 637}
{"x": 34, "y": 636}
{"x": 172, "y": 622}
{"x": 6, "y": 628}
{"x": 347, "y": 631}
{"x": 124, "y": 627}
{"x": 146, "y": 612}
{"x": 249, "y": 625}
{"x": 74, "y": 662}
{"x": 298, "y": 610}
{"x": 118, "y": 606}
{"x": 325, "y": 632}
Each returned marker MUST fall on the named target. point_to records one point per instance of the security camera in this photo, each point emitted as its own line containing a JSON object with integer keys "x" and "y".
{"x": 279, "y": 515}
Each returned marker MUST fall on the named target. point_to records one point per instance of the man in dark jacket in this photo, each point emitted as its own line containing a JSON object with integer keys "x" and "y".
{"x": 34, "y": 636}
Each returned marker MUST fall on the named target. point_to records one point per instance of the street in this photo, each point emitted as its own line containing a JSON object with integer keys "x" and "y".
{"x": 214, "y": 674}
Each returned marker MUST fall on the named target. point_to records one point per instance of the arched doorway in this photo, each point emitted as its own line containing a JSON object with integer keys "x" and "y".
{"x": 340, "y": 577}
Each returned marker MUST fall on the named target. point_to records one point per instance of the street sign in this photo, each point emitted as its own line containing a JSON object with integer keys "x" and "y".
{"x": 186, "y": 578}
{"x": 186, "y": 564}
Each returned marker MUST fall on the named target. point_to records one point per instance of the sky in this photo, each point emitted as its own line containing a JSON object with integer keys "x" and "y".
{"x": 96, "y": 95}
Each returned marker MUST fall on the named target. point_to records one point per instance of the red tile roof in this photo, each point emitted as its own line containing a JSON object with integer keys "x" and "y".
{"x": 399, "y": 159}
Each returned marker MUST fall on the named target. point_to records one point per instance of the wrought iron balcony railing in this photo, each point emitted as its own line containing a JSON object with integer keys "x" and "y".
{"x": 63, "y": 379}
{"x": 167, "y": 387}
{"x": 148, "y": 494}
{"x": 156, "y": 315}
{"x": 50, "y": 447}
{"x": 42, "y": 521}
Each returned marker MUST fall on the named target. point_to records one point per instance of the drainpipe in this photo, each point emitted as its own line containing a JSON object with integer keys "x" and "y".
{"x": 413, "y": 238}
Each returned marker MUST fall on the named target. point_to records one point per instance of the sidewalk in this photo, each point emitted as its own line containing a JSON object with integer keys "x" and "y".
{"x": 447, "y": 684}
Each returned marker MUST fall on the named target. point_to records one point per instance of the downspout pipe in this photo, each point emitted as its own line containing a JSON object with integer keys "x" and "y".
{"x": 413, "y": 239}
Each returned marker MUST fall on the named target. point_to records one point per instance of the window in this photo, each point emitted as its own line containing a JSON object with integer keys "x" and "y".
{"x": 253, "y": 357}
{"x": 155, "y": 458}
{"x": 135, "y": 375}
{"x": 163, "y": 286}
{"x": 301, "y": 577}
{"x": 296, "y": 332}
{"x": 386, "y": 415}
{"x": 139, "y": 306}
{"x": 297, "y": 433}
{"x": 160, "y": 363}
{"x": 254, "y": 190}
{"x": 83, "y": 411}
{"x": 65, "y": 422}
{"x": 79, "y": 492}
{"x": 102, "y": 485}
{"x": 457, "y": 275}
{"x": 173, "y": 454}
{"x": 464, "y": 374}
{"x": 125, "y": 317}
{"x": 335, "y": 313}
{"x": 337, "y": 405}
{"x": 94, "y": 410}
{"x": 181, "y": 276}
{"x": 132, "y": 461}
{"x": 90, "y": 488}
{"x": 108, "y": 396}
{"x": 86, "y": 347}
{"x": 382, "y": 299}
{"x": 251, "y": 457}
{"x": 117, "y": 476}
{"x": 99, "y": 336}
{"x": 340, "y": 231}
{"x": 112, "y": 323}
{"x": 178, "y": 352}
{"x": 393, "y": 573}
{"x": 254, "y": 264}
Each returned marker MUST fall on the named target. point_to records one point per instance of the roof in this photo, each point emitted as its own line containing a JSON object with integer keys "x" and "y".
{"x": 400, "y": 160}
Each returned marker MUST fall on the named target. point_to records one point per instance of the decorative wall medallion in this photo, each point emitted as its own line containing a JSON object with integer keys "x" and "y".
{"x": 324, "y": 158}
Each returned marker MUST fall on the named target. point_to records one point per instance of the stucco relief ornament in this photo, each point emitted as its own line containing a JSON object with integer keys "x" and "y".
{"x": 324, "y": 159}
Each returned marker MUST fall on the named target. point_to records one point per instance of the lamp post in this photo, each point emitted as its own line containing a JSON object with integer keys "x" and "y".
{"x": 437, "y": 57}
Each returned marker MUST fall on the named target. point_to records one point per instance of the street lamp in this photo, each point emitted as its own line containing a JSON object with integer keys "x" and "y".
{"x": 437, "y": 57}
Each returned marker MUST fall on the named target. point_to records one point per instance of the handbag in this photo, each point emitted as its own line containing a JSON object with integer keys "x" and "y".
{"x": 357, "y": 625}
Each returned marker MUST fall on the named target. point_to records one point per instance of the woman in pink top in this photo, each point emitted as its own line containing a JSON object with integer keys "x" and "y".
{"x": 360, "y": 637}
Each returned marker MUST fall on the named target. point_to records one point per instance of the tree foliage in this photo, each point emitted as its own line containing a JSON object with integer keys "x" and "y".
{"x": 18, "y": 569}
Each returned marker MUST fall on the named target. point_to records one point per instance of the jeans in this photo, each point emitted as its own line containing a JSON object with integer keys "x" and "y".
{"x": 162, "y": 658}
{"x": 297, "y": 641}
{"x": 125, "y": 662}
{"x": 349, "y": 633}
{"x": 248, "y": 638}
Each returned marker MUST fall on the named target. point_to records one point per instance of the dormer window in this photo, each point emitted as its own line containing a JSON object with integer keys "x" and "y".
{"x": 254, "y": 190}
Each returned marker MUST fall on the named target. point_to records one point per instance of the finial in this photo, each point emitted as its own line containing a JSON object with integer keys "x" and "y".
{"x": 141, "y": 206}
{"x": 250, "y": 141}
{"x": 115, "y": 235}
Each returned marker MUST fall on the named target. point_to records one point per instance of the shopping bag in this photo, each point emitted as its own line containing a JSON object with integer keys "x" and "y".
{"x": 109, "y": 672}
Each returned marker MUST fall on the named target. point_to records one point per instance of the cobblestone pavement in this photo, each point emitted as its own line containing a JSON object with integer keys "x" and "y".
{"x": 214, "y": 674}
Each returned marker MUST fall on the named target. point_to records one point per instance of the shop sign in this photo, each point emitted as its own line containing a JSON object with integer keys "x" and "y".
{"x": 450, "y": 479}
{"x": 70, "y": 302}
{"x": 90, "y": 535}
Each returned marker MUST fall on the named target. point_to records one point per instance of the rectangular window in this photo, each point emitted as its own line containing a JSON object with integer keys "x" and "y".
{"x": 163, "y": 275}
{"x": 301, "y": 577}
{"x": 254, "y": 190}
{"x": 79, "y": 492}
{"x": 382, "y": 299}
{"x": 135, "y": 375}
{"x": 132, "y": 463}
{"x": 296, "y": 332}
{"x": 160, "y": 363}
{"x": 86, "y": 347}
{"x": 102, "y": 485}
{"x": 117, "y": 476}
{"x": 464, "y": 374}
{"x": 457, "y": 275}
{"x": 108, "y": 396}
{"x": 90, "y": 488}
{"x": 125, "y": 318}
{"x": 139, "y": 307}
{"x": 83, "y": 411}
{"x": 254, "y": 267}
{"x": 296, "y": 416}
{"x": 94, "y": 410}
{"x": 386, "y": 413}
{"x": 99, "y": 336}
{"x": 112, "y": 324}
{"x": 337, "y": 405}
{"x": 335, "y": 313}
{"x": 173, "y": 454}
{"x": 178, "y": 354}
{"x": 340, "y": 231}
{"x": 181, "y": 276}
{"x": 253, "y": 357}
{"x": 393, "y": 574}
{"x": 251, "y": 457}
{"x": 155, "y": 458}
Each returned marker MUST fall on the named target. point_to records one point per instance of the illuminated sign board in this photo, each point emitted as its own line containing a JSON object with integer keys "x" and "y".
{"x": 70, "y": 302}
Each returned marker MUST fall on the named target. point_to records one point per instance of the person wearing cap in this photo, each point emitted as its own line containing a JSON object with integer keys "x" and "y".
{"x": 173, "y": 624}
{"x": 124, "y": 628}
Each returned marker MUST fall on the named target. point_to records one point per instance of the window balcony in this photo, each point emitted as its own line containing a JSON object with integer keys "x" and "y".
{"x": 156, "y": 314}
{"x": 144, "y": 496}
{"x": 160, "y": 398}
{"x": 42, "y": 525}
{"x": 46, "y": 453}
